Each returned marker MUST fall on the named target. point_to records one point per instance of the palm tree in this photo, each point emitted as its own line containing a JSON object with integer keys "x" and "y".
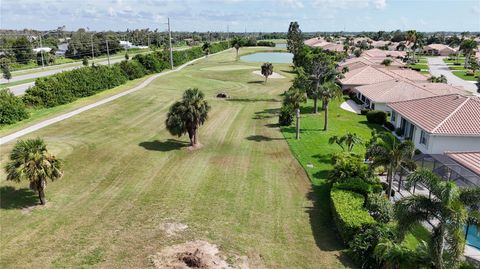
{"x": 206, "y": 47}
{"x": 411, "y": 38}
{"x": 386, "y": 150}
{"x": 188, "y": 114}
{"x": 294, "y": 96}
{"x": 267, "y": 70}
{"x": 237, "y": 43}
{"x": 468, "y": 46}
{"x": 317, "y": 74}
{"x": 447, "y": 206}
{"x": 328, "y": 91}
{"x": 397, "y": 256}
{"x": 30, "y": 160}
{"x": 350, "y": 140}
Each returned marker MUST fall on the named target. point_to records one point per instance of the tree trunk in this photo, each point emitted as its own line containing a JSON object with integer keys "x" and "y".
{"x": 266, "y": 77}
{"x": 41, "y": 196}
{"x": 195, "y": 136}
{"x": 190, "y": 136}
{"x": 315, "y": 105}
{"x": 325, "y": 124}
{"x": 237, "y": 51}
{"x": 439, "y": 244}
{"x": 390, "y": 181}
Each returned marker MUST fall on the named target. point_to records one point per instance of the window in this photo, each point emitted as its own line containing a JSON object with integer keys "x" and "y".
{"x": 423, "y": 137}
{"x": 394, "y": 116}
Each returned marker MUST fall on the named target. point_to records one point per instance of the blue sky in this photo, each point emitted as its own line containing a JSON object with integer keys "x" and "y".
{"x": 255, "y": 15}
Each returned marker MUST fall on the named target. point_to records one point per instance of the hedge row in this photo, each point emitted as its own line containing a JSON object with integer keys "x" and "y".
{"x": 348, "y": 213}
{"x": 66, "y": 87}
{"x": 12, "y": 109}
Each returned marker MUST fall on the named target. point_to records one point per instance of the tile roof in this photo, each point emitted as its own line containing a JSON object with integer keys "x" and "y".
{"x": 378, "y": 53}
{"x": 410, "y": 74}
{"x": 469, "y": 159}
{"x": 452, "y": 114}
{"x": 367, "y": 75}
{"x": 402, "y": 90}
{"x": 313, "y": 41}
{"x": 438, "y": 47}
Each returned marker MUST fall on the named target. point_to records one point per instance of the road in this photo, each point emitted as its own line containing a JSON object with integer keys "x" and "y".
{"x": 438, "y": 67}
{"x": 77, "y": 111}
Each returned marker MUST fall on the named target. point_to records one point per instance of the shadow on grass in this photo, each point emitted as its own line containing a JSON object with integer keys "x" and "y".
{"x": 11, "y": 198}
{"x": 252, "y": 100}
{"x": 291, "y": 129}
{"x": 272, "y": 125}
{"x": 262, "y": 138}
{"x": 256, "y": 82}
{"x": 168, "y": 145}
{"x": 323, "y": 228}
{"x": 266, "y": 113}
{"x": 289, "y": 71}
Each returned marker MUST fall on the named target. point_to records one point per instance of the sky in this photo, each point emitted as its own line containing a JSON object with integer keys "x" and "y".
{"x": 238, "y": 15}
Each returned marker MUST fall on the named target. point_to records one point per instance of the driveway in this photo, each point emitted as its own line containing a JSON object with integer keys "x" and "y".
{"x": 438, "y": 67}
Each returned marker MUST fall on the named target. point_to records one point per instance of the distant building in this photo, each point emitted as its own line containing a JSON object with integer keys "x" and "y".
{"x": 439, "y": 49}
{"x": 129, "y": 45}
{"x": 62, "y": 49}
{"x": 42, "y": 49}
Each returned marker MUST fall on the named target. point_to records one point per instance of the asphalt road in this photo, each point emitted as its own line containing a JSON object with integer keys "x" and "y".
{"x": 438, "y": 67}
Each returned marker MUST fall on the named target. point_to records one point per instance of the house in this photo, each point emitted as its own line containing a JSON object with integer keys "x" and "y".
{"x": 364, "y": 76}
{"x": 439, "y": 49}
{"x": 439, "y": 123}
{"x": 42, "y": 49}
{"x": 467, "y": 159}
{"x": 314, "y": 41}
{"x": 377, "y": 96}
{"x": 62, "y": 49}
{"x": 129, "y": 45}
{"x": 378, "y": 53}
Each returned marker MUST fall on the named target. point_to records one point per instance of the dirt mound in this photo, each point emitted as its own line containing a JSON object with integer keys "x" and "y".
{"x": 194, "y": 254}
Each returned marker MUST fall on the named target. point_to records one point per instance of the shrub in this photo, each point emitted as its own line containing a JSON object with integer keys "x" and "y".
{"x": 286, "y": 116}
{"x": 399, "y": 131}
{"x": 12, "y": 109}
{"x": 379, "y": 207}
{"x": 263, "y": 43}
{"x": 358, "y": 185}
{"x": 347, "y": 166}
{"x": 348, "y": 213}
{"x": 364, "y": 111}
{"x": 389, "y": 126}
{"x": 363, "y": 244}
{"x": 132, "y": 69}
{"x": 150, "y": 62}
{"x": 377, "y": 116}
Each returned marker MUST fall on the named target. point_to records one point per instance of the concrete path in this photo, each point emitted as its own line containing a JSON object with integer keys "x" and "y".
{"x": 77, "y": 111}
{"x": 438, "y": 67}
{"x": 350, "y": 106}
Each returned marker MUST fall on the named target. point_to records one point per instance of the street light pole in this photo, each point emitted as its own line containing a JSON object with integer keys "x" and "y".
{"x": 297, "y": 135}
{"x": 170, "y": 43}
{"x": 93, "y": 53}
{"x": 41, "y": 51}
{"x": 108, "y": 53}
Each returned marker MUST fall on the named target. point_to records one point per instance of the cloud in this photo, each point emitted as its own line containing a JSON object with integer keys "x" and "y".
{"x": 349, "y": 4}
{"x": 380, "y": 4}
{"x": 292, "y": 3}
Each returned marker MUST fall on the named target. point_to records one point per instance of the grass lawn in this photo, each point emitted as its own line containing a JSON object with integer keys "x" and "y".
{"x": 462, "y": 75}
{"x": 125, "y": 176}
{"x": 419, "y": 66}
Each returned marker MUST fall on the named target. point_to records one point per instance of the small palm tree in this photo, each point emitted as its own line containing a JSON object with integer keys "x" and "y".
{"x": 396, "y": 256}
{"x": 386, "y": 150}
{"x": 350, "y": 140}
{"x": 267, "y": 70}
{"x": 329, "y": 91}
{"x": 447, "y": 206}
{"x": 188, "y": 114}
{"x": 30, "y": 160}
{"x": 237, "y": 43}
{"x": 206, "y": 47}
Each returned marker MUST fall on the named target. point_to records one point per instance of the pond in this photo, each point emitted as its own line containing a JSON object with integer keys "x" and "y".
{"x": 280, "y": 45}
{"x": 272, "y": 57}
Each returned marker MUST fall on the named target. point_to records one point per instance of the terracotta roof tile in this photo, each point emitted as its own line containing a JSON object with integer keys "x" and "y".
{"x": 452, "y": 114}
{"x": 470, "y": 160}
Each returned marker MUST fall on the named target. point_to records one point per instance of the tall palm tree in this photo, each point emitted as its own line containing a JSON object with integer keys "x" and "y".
{"x": 188, "y": 114}
{"x": 294, "y": 96}
{"x": 386, "y": 150}
{"x": 411, "y": 38}
{"x": 446, "y": 207}
{"x": 206, "y": 47}
{"x": 30, "y": 160}
{"x": 267, "y": 70}
{"x": 329, "y": 91}
{"x": 318, "y": 73}
{"x": 237, "y": 42}
{"x": 468, "y": 46}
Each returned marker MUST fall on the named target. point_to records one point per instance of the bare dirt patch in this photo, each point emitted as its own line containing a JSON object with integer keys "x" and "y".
{"x": 172, "y": 228}
{"x": 195, "y": 254}
{"x": 194, "y": 147}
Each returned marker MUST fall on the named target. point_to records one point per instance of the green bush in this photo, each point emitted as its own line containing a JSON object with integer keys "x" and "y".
{"x": 364, "y": 111}
{"x": 377, "y": 116}
{"x": 347, "y": 166}
{"x": 389, "y": 126}
{"x": 263, "y": 43}
{"x": 286, "y": 116}
{"x": 363, "y": 244}
{"x": 151, "y": 62}
{"x": 348, "y": 213}
{"x": 65, "y": 87}
{"x": 132, "y": 69}
{"x": 12, "y": 109}
{"x": 358, "y": 185}
{"x": 379, "y": 207}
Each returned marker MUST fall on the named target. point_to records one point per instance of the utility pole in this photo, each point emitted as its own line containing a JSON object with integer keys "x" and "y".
{"x": 148, "y": 41}
{"x": 297, "y": 134}
{"x": 170, "y": 43}
{"x": 108, "y": 53}
{"x": 228, "y": 31}
{"x": 41, "y": 50}
{"x": 93, "y": 53}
